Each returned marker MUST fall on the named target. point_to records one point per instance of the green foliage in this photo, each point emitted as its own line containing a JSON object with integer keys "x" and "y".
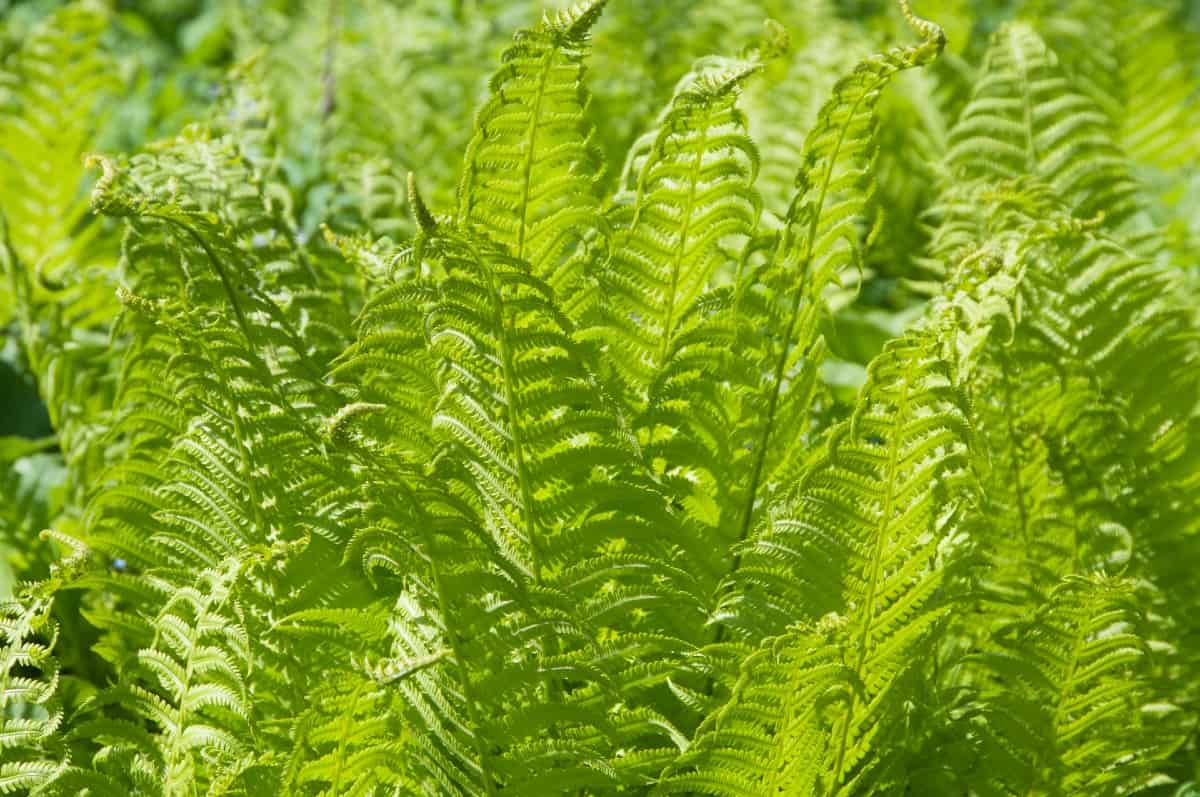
{"x": 756, "y": 398}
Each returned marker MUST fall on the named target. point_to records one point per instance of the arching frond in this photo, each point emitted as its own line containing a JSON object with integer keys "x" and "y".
{"x": 529, "y": 171}
{"x": 686, "y": 199}
{"x": 56, "y": 90}
{"x": 535, "y": 537}
{"x": 729, "y": 411}
{"x": 1026, "y": 117}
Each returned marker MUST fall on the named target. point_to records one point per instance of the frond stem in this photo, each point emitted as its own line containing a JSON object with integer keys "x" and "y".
{"x": 1015, "y": 443}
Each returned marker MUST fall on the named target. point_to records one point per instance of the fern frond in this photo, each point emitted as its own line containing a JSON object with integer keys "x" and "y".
{"x": 193, "y": 679}
{"x": 229, "y": 500}
{"x": 820, "y": 239}
{"x": 1082, "y": 293}
{"x": 520, "y": 409}
{"x": 30, "y": 712}
{"x": 783, "y": 105}
{"x": 57, "y": 261}
{"x": 34, "y": 750}
{"x": 1140, "y": 78}
{"x": 774, "y": 732}
{"x": 52, "y": 108}
{"x": 1026, "y": 117}
{"x": 687, "y": 197}
{"x": 529, "y": 172}
{"x": 527, "y": 541}
{"x": 1068, "y": 696}
{"x": 761, "y": 336}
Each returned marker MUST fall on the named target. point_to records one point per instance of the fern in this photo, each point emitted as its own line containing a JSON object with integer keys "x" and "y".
{"x": 31, "y": 715}
{"x": 31, "y": 706}
{"x": 748, "y": 414}
{"x": 57, "y": 261}
{"x": 50, "y": 117}
{"x": 537, "y": 520}
{"x": 689, "y": 194}
{"x": 1026, "y": 118}
{"x": 1142, "y": 83}
{"x": 776, "y": 304}
{"x": 784, "y": 104}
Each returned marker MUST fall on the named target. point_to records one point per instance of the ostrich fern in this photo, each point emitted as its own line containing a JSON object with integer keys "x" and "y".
{"x": 804, "y": 409}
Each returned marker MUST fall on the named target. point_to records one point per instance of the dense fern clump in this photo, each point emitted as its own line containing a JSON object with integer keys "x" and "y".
{"x": 737, "y": 397}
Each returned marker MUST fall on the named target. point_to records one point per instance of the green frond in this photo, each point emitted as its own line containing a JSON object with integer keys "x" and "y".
{"x": 516, "y": 400}
{"x": 865, "y": 534}
{"x": 220, "y": 453}
{"x": 30, "y": 711}
{"x": 775, "y": 731}
{"x": 191, "y": 683}
{"x": 532, "y": 533}
{"x": 49, "y": 114}
{"x": 1140, "y": 78}
{"x": 687, "y": 201}
{"x": 820, "y": 241}
{"x": 1026, "y": 117}
{"x": 34, "y": 749}
{"x": 1068, "y": 697}
{"x": 864, "y": 541}
{"x": 55, "y": 259}
{"x": 1071, "y": 348}
{"x": 783, "y": 105}
{"x": 875, "y": 525}
{"x": 529, "y": 172}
